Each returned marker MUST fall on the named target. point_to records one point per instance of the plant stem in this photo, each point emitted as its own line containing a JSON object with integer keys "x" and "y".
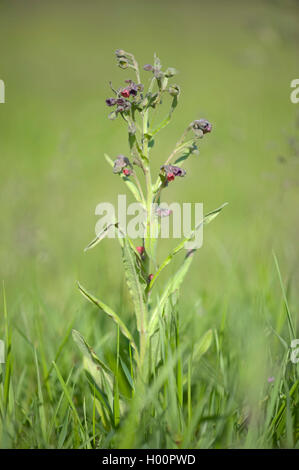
{"x": 178, "y": 147}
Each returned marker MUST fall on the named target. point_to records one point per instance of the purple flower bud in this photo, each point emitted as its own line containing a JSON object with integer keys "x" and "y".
{"x": 175, "y": 170}
{"x": 110, "y": 101}
{"x": 133, "y": 91}
{"x": 148, "y": 68}
{"x": 203, "y": 125}
{"x": 120, "y": 52}
{"x": 122, "y": 105}
{"x": 158, "y": 73}
{"x": 133, "y": 87}
{"x": 120, "y": 163}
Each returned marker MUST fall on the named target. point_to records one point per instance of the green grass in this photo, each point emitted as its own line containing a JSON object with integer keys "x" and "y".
{"x": 238, "y": 309}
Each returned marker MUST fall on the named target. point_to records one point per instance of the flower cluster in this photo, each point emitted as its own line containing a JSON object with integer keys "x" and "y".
{"x": 171, "y": 171}
{"x": 142, "y": 270}
{"x": 122, "y": 165}
{"x": 121, "y": 101}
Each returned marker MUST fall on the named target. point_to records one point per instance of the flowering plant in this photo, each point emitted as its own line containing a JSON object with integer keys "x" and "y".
{"x": 133, "y": 104}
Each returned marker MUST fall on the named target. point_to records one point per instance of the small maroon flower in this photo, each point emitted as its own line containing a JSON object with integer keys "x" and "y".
{"x": 125, "y": 93}
{"x": 172, "y": 171}
{"x": 150, "y": 277}
{"x": 133, "y": 87}
{"x": 140, "y": 250}
{"x": 127, "y": 172}
{"x": 110, "y": 101}
{"x": 133, "y": 91}
{"x": 122, "y": 105}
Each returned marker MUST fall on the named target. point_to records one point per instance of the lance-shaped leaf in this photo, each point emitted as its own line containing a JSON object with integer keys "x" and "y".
{"x": 173, "y": 284}
{"x": 206, "y": 220}
{"x": 111, "y": 314}
{"x": 166, "y": 121}
{"x": 101, "y": 236}
{"x": 88, "y": 352}
{"x": 136, "y": 284}
{"x": 204, "y": 344}
{"x": 100, "y": 379}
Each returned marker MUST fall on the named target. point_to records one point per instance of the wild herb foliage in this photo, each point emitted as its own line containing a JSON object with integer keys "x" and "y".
{"x": 153, "y": 314}
{"x": 176, "y": 379}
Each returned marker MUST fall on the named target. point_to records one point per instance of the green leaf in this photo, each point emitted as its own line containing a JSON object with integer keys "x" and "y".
{"x": 88, "y": 352}
{"x": 207, "y": 219}
{"x": 166, "y": 121}
{"x": 111, "y": 314}
{"x": 173, "y": 284}
{"x": 42, "y": 415}
{"x": 202, "y": 347}
{"x": 100, "y": 237}
{"x": 101, "y": 401}
{"x": 68, "y": 395}
{"x": 136, "y": 284}
{"x": 289, "y": 316}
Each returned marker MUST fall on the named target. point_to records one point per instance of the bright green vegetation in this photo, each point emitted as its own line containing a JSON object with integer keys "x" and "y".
{"x": 238, "y": 309}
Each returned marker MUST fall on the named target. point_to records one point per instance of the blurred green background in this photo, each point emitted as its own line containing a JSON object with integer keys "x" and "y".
{"x": 236, "y": 61}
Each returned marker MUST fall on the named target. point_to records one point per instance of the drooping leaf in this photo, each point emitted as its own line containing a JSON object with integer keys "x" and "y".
{"x": 111, "y": 314}
{"x": 88, "y": 352}
{"x": 206, "y": 220}
{"x": 100, "y": 237}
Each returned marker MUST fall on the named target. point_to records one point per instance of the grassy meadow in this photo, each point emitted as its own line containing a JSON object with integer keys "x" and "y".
{"x": 230, "y": 383}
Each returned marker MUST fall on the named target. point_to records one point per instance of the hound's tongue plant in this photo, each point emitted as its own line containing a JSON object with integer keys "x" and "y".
{"x": 132, "y": 103}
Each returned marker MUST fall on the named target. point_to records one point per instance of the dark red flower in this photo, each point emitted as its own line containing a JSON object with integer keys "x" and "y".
{"x": 127, "y": 172}
{"x": 173, "y": 170}
{"x": 170, "y": 176}
{"x": 125, "y": 93}
{"x": 140, "y": 249}
{"x": 150, "y": 277}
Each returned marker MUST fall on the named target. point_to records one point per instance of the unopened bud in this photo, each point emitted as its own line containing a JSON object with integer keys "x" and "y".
{"x": 174, "y": 90}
